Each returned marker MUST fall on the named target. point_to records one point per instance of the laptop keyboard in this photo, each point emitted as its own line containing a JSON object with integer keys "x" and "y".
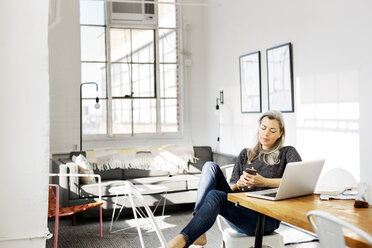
{"x": 270, "y": 194}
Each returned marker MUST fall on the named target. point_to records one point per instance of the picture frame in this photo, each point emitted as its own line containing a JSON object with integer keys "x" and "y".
{"x": 250, "y": 82}
{"x": 280, "y": 78}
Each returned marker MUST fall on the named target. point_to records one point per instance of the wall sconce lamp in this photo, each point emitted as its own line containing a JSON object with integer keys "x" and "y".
{"x": 219, "y": 100}
{"x": 97, "y": 106}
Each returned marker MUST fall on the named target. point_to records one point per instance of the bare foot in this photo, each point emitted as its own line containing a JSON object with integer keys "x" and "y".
{"x": 178, "y": 242}
{"x": 202, "y": 240}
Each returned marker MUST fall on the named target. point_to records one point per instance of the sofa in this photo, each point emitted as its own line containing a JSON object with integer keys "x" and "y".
{"x": 181, "y": 187}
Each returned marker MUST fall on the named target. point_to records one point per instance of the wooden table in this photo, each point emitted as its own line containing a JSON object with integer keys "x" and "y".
{"x": 293, "y": 211}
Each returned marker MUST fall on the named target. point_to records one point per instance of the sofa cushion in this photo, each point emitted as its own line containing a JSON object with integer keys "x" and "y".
{"x": 173, "y": 183}
{"x": 193, "y": 181}
{"x": 84, "y": 167}
{"x": 91, "y": 190}
{"x": 110, "y": 174}
{"x": 136, "y": 173}
{"x": 203, "y": 154}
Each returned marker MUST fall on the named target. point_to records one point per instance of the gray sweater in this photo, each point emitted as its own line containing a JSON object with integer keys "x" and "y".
{"x": 286, "y": 154}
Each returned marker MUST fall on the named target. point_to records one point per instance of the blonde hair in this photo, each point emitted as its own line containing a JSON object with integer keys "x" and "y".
{"x": 270, "y": 157}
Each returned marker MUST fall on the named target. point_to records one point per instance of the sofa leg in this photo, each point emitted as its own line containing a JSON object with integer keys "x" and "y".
{"x": 223, "y": 245}
{"x": 73, "y": 220}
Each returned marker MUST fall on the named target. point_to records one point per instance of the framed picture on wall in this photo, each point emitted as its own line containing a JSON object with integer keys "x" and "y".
{"x": 280, "y": 78}
{"x": 250, "y": 82}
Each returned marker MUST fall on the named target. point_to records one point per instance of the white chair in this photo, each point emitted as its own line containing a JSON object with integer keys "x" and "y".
{"x": 231, "y": 238}
{"x": 134, "y": 192}
{"x": 234, "y": 239}
{"x": 330, "y": 229}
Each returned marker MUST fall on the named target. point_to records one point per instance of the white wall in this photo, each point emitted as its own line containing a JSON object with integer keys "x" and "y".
{"x": 331, "y": 49}
{"x": 24, "y": 126}
{"x": 198, "y": 102}
{"x": 64, "y": 70}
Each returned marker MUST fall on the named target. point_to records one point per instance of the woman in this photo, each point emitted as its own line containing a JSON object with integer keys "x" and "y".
{"x": 268, "y": 158}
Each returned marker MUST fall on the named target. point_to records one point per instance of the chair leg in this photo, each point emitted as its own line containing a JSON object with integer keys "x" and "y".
{"x": 100, "y": 219}
{"x": 56, "y": 232}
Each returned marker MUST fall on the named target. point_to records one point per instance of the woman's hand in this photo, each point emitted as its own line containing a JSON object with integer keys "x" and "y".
{"x": 255, "y": 180}
{"x": 247, "y": 179}
{"x": 243, "y": 181}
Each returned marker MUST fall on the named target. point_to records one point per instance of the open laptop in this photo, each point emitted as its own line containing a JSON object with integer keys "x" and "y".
{"x": 299, "y": 178}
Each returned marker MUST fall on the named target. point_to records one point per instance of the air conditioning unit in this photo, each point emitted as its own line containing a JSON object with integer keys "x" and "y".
{"x": 131, "y": 13}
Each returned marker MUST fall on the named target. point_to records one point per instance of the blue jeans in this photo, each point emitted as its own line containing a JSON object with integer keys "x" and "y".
{"x": 212, "y": 200}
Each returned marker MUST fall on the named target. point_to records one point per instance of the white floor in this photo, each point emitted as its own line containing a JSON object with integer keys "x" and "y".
{"x": 293, "y": 234}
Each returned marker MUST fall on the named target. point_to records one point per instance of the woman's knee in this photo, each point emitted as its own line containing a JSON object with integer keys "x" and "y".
{"x": 210, "y": 166}
{"x": 217, "y": 196}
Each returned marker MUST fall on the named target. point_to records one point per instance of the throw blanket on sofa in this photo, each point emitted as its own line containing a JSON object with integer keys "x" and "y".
{"x": 171, "y": 158}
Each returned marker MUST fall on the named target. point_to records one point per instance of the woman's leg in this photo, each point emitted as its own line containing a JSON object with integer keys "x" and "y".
{"x": 205, "y": 216}
{"x": 211, "y": 178}
{"x": 244, "y": 220}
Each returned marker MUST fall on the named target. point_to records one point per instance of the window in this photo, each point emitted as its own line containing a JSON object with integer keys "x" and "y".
{"x": 136, "y": 68}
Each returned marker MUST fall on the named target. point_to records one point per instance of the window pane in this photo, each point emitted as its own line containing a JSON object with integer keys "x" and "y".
{"x": 168, "y": 80}
{"x": 167, "y": 45}
{"x": 93, "y": 72}
{"x": 143, "y": 80}
{"x": 144, "y": 115}
{"x": 92, "y": 12}
{"x": 94, "y": 120}
{"x": 143, "y": 46}
{"x": 120, "y": 78}
{"x": 121, "y": 116}
{"x": 120, "y": 45}
{"x": 132, "y": 68}
{"x": 167, "y": 14}
{"x": 169, "y": 115}
{"x": 93, "y": 44}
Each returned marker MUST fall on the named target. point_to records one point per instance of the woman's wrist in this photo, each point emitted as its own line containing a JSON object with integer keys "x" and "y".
{"x": 238, "y": 187}
{"x": 272, "y": 182}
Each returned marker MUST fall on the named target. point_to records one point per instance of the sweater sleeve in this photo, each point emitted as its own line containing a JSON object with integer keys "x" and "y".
{"x": 239, "y": 163}
{"x": 292, "y": 155}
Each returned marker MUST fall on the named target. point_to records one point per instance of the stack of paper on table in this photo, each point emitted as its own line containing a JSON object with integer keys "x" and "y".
{"x": 341, "y": 192}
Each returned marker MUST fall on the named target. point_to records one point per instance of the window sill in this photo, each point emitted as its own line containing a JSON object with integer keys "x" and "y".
{"x": 101, "y": 137}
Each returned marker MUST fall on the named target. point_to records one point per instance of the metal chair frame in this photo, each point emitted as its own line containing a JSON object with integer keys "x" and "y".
{"x": 134, "y": 192}
{"x": 329, "y": 229}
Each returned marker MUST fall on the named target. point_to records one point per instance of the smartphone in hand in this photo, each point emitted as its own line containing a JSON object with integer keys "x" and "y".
{"x": 250, "y": 171}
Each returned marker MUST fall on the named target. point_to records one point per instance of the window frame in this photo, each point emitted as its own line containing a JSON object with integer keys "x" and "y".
{"x": 158, "y": 134}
